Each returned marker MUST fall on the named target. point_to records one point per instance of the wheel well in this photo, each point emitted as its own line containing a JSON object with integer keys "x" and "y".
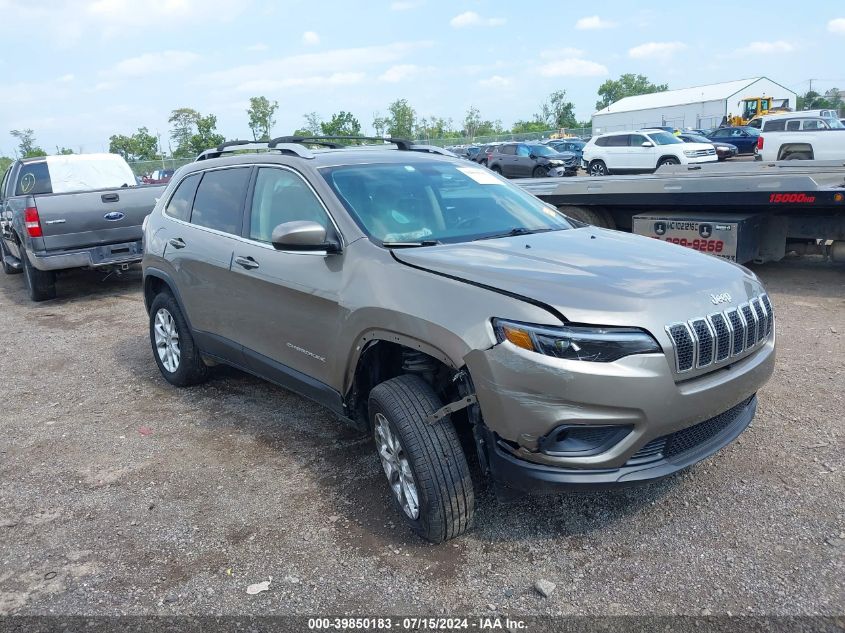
{"x": 152, "y": 287}
{"x": 383, "y": 360}
{"x": 672, "y": 156}
{"x": 795, "y": 148}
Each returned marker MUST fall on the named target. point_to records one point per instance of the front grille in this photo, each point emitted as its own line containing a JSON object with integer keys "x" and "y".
{"x": 687, "y": 439}
{"x": 718, "y": 337}
{"x": 701, "y": 152}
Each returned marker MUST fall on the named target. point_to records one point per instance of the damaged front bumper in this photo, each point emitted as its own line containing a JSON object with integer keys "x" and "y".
{"x": 529, "y": 401}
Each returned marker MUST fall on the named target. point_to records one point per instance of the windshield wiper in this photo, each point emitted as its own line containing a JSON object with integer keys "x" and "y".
{"x": 517, "y": 230}
{"x": 410, "y": 244}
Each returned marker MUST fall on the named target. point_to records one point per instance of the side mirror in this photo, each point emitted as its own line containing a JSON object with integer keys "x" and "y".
{"x": 648, "y": 144}
{"x": 532, "y": 156}
{"x": 305, "y": 236}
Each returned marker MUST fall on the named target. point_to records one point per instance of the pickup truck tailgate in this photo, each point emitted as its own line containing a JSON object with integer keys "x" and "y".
{"x": 94, "y": 218}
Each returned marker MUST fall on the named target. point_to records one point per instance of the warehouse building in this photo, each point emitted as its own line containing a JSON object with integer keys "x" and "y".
{"x": 696, "y": 107}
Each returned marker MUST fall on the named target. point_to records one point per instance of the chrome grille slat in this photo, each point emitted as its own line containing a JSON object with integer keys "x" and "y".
{"x": 721, "y": 336}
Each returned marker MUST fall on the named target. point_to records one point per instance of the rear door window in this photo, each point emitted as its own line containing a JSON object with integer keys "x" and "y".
{"x": 219, "y": 201}
{"x": 793, "y": 125}
{"x": 34, "y": 179}
{"x": 620, "y": 140}
{"x": 775, "y": 126}
{"x": 508, "y": 149}
{"x": 180, "y": 204}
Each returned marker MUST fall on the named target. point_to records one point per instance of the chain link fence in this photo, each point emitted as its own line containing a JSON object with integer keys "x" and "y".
{"x": 580, "y": 132}
{"x": 147, "y": 167}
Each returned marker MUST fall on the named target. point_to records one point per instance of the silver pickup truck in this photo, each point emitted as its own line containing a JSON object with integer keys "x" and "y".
{"x": 63, "y": 212}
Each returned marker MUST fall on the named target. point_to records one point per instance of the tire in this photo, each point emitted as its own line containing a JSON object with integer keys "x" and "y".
{"x": 181, "y": 365}
{"x": 496, "y": 169}
{"x": 434, "y": 462}
{"x": 668, "y": 161}
{"x": 605, "y": 217}
{"x": 540, "y": 172}
{"x": 3, "y": 253}
{"x": 40, "y": 284}
{"x": 798, "y": 156}
{"x": 597, "y": 168}
{"x": 582, "y": 214}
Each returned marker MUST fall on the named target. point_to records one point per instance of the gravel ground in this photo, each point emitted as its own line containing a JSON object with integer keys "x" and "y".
{"x": 122, "y": 495}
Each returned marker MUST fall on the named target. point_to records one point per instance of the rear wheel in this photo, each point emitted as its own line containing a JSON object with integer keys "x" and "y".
{"x": 597, "y": 168}
{"x": 4, "y": 253}
{"x": 40, "y": 284}
{"x": 174, "y": 350}
{"x": 540, "y": 171}
{"x": 497, "y": 169}
{"x": 423, "y": 461}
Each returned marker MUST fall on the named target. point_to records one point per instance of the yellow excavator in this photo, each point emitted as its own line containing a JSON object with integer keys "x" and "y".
{"x": 752, "y": 107}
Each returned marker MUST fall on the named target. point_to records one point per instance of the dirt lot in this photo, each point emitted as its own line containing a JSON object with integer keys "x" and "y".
{"x": 120, "y": 494}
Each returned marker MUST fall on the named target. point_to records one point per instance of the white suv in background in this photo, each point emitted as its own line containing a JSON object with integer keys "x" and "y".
{"x": 641, "y": 151}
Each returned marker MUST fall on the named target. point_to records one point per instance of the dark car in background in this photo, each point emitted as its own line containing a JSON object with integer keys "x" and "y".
{"x": 525, "y": 160}
{"x": 471, "y": 152}
{"x": 574, "y": 145}
{"x": 723, "y": 150}
{"x": 744, "y": 138}
{"x": 484, "y": 153}
{"x": 159, "y": 177}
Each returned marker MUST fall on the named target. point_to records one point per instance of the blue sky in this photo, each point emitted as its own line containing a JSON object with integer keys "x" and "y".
{"x": 77, "y": 71}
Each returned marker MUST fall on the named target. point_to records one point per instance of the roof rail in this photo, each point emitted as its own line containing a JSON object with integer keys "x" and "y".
{"x": 230, "y": 147}
{"x": 325, "y": 141}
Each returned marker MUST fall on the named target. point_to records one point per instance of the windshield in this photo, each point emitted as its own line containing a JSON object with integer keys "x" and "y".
{"x": 436, "y": 202}
{"x": 664, "y": 138}
{"x": 542, "y": 150}
{"x": 695, "y": 138}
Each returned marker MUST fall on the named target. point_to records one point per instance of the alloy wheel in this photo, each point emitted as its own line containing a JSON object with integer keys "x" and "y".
{"x": 396, "y": 467}
{"x": 167, "y": 340}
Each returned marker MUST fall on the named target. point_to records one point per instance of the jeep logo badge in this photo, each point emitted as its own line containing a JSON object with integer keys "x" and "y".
{"x": 720, "y": 298}
{"x": 114, "y": 216}
{"x": 660, "y": 228}
{"x": 705, "y": 230}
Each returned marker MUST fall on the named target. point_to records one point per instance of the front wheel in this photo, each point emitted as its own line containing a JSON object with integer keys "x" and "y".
{"x": 540, "y": 172}
{"x": 597, "y": 168}
{"x": 423, "y": 461}
{"x": 174, "y": 350}
{"x": 40, "y": 284}
{"x": 668, "y": 161}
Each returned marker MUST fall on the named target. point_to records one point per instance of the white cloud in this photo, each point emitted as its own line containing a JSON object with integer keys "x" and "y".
{"x": 332, "y": 67}
{"x": 149, "y": 63}
{"x": 656, "y": 50}
{"x": 496, "y": 81}
{"x": 399, "y": 73}
{"x": 405, "y": 5}
{"x": 310, "y": 38}
{"x": 558, "y": 53}
{"x": 766, "y": 48}
{"x": 258, "y": 47}
{"x": 471, "y": 18}
{"x": 573, "y": 67}
{"x": 592, "y": 23}
{"x": 837, "y": 25}
{"x": 67, "y": 78}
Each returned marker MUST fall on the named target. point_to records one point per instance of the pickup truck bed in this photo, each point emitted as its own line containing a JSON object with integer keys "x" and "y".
{"x": 43, "y": 232}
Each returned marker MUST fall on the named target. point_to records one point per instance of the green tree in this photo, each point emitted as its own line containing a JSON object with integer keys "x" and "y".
{"x": 812, "y": 100}
{"x": 472, "y": 120}
{"x": 490, "y": 128}
{"x": 5, "y": 161}
{"x": 261, "y": 117}
{"x": 207, "y": 135}
{"x": 628, "y": 85}
{"x": 380, "y": 124}
{"x": 26, "y": 143}
{"x": 529, "y": 127}
{"x": 183, "y": 123}
{"x": 400, "y": 120}
{"x": 341, "y": 124}
{"x": 140, "y": 146}
{"x": 63, "y": 151}
{"x": 313, "y": 124}
{"x": 557, "y": 111}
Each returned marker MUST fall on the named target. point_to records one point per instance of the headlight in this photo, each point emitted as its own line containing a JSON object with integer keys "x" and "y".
{"x": 555, "y": 162}
{"x": 690, "y": 153}
{"x": 596, "y": 344}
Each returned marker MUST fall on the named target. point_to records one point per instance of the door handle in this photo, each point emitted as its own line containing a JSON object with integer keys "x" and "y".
{"x": 110, "y": 197}
{"x": 177, "y": 242}
{"x": 246, "y": 262}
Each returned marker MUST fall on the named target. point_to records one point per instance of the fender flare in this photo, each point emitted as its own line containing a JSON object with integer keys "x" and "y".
{"x": 168, "y": 281}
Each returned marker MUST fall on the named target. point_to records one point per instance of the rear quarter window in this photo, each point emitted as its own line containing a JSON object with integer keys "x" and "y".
{"x": 219, "y": 201}
{"x": 774, "y": 126}
{"x": 182, "y": 200}
{"x": 33, "y": 179}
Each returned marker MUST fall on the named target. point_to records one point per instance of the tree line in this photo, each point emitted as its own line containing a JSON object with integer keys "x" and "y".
{"x": 191, "y": 132}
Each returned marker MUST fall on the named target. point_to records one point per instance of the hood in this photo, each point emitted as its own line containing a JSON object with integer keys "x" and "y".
{"x": 721, "y": 144}
{"x": 596, "y": 276}
{"x": 699, "y": 146}
{"x": 560, "y": 156}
